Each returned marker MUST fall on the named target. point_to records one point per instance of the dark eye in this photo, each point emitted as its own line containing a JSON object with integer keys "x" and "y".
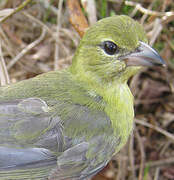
{"x": 110, "y": 47}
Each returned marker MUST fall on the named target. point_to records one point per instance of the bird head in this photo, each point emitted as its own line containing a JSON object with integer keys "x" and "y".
{"x": 113, "y": 49}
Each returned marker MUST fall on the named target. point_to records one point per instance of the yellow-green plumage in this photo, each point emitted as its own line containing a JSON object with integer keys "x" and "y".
{"x": 71, "y": 122}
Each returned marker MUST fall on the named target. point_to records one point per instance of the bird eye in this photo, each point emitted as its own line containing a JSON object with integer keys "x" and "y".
{"x": 110, "y": 47}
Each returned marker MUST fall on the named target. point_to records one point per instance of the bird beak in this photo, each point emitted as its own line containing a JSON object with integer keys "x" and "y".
{"x": 144, "y": 56}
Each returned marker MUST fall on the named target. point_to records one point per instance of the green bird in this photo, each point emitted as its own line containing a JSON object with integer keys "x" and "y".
{"x": 68, "y": 124}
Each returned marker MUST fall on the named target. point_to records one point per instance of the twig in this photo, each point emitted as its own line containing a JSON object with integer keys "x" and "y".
{"x": 4, "y": 77}
{"x": 90, "y": 8}
{"x": 19, "y": 8}
{"x": 147, "y": 11}
{"x": 157, "y": 28}
{"x": 122, "y": 165}
{"x": 56, "y": 55}
{"x": 6, "y": 43}
{"x": 157, "y": 172}
{"x": 131, "y": 157}
{"x": 165, "y": 147}
{"x": 132, "y": 14}
{"x": 162, "y": 131}
{"x": 141, "y": 171}
{"x": 39, "y": 22}
{"x": 161, "y": 162}
{"x": 26, "y": 49}
{"x": 145, "y": 15}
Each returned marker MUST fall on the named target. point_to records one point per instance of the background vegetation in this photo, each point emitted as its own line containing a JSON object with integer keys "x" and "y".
{"x": 36, "y": 36}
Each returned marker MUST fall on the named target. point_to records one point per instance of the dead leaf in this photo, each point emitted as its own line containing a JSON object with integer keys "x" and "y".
{"x": 76, "y": 17}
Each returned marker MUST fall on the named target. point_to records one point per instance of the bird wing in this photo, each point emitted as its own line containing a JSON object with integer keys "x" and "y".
{"x": 24, "y": 126}
{"x": 36, "y": 143}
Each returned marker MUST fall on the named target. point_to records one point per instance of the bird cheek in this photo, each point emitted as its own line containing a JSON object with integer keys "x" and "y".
{"x": 120, "y": 66}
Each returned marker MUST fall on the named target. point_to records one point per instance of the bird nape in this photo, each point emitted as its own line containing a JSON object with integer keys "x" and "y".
{"x": 68, "y": 124}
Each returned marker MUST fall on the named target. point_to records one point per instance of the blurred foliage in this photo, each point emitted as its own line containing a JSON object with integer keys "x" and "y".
{"x": 126, "y": 10}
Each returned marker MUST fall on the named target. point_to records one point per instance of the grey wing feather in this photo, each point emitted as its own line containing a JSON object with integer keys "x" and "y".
{"x": 12, "y": 158}
{"x": 85, "y": 159}
{"x": 26, "y": 124}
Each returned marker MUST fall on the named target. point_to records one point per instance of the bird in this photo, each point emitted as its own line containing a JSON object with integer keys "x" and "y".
{"x": 68, "y": 124}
